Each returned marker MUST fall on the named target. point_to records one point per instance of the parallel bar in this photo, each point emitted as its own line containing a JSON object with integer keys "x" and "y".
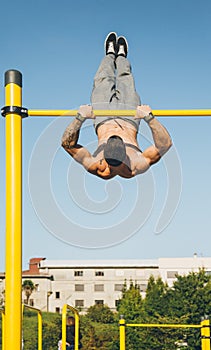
{"x": 151, "y": 325}
{"x": 101, "y": 113}
{"x": 39, "y": 320}
{"x": 64, "y": 322}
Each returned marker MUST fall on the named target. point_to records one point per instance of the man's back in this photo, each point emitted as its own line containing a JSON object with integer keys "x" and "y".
{"x": 70, "y": 334}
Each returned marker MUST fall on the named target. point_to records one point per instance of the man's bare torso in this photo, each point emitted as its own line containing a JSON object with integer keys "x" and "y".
{"x": 128, "y": 133}
{"x": 119, "y": 127}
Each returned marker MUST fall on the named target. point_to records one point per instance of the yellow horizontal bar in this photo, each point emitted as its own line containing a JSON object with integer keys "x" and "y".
{"x": 151, "y": 325}
{"x": 101, "y": 113}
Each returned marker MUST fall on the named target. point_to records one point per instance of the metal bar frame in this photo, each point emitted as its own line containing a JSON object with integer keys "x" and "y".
{"x": 39, "y": 320}
{"x": 13, "y": 280}
{"x": 101, "y": 113}
{"x": 204, "y": 327}
{"x": 64, "y": 322}
{"x": 13, "y": 276}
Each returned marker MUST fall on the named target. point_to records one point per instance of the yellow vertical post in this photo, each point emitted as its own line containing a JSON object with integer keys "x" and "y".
{"x": 205, "y": 334}
{"x": 64, "y": 322}
{"x": 122, "y": 333}
{"x": 13, "y": 314}
{"x": 39, "y": 330}
{"x": 76, "y": 331}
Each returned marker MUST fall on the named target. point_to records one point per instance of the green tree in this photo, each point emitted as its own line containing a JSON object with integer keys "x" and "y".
{"x": 131, "y": 304}
{"x": 89, "y": 339}
{"x": 28, "y": 287}
{"x": 100, "y": 313}
{"x": 189, "y": 300}
{"x": 155, "y": 299}
{"x": 190, "y": 296}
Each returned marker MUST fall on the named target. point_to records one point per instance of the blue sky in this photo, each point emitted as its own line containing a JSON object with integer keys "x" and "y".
{"x": 58, "y": 46}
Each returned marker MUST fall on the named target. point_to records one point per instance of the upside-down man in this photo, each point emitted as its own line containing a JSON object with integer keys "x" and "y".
{"x": 118, "y": 152}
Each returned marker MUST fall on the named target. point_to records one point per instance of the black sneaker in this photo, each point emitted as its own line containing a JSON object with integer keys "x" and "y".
{"x": 122, "y": 47}
{"x": 110, "y": 43}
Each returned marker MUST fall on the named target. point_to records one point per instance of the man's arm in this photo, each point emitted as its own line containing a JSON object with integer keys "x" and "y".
{"x": 71, "y": 136}
{"x": 161, "y": 137}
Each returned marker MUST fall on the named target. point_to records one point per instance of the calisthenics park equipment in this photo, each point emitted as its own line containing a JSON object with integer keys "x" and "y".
{"x": 14, "y": 112}
{"x": 39, "y": 324}
{"x": 65, "y": 308}
{"x": 204, "y": 327}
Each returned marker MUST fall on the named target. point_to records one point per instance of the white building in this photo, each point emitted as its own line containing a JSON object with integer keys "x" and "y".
{"x": 88, "y": 282}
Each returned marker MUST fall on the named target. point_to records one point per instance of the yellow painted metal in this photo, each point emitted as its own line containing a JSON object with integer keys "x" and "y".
{"x": 205, "y": 334}
{"x": 122, "y": 334}
{"x": 64, "y": 322}
{"x": 101, "y": 113}
{"x": 159, "y": 325}
{"x": 39, "y": 322}
{"x": 2, "y": 328}
{"x": 204, "y": 326}
{"x": 13, "y": 282}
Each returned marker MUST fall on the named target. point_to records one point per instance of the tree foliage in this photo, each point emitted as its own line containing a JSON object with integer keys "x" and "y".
{"x": 190, "y": 296}
{"x": 100, "y": 313}
{"x": 185, "y": 302}
{"x": 131, "y": 304}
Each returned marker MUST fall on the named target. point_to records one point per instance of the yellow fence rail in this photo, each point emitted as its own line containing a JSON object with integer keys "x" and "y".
{"x": 64, "y": 322}
{"x": 109, "y": 112}
{"x": 39, "y": 320}
{"x": 2, "y": 328}
{"x": 204, "y": 326}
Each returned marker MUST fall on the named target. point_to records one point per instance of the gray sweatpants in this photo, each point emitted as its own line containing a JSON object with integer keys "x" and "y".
{"x": 114, "y": 88}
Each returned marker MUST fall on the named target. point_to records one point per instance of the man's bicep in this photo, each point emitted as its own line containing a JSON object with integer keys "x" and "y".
{"x": 80, "y": 154}
{"x": 152, "y": 155}
{"x": 145, "y": 160}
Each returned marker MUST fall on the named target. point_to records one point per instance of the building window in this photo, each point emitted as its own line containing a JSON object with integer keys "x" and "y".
{"x": 172, "y": 274}
{"x": 99, "y": 287}
{"x": 118, "y": 287}
{"x": 79, "y": 303}
{"x": 79, "y": 287}
{"x": 78, "y": 273}
{"x": 117, "y": 302}
{"x": 99, "y": 302}
{"x": 99, "y": 273}
{"x": 31, "y": 302}
{"x": 119, "y": 273}
{"x": 57, "y": 295}
{"x": 57, "y": 310}
{"x": 142, "y": 287}
{"x": 37, "y": 287}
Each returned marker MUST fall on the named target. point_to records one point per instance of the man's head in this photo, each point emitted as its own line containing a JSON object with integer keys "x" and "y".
{"x": 70, "y": 321}
{"x": 115, "y": 151}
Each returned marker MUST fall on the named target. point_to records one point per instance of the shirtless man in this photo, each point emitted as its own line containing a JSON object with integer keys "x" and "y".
{"x": 118, "y": 152}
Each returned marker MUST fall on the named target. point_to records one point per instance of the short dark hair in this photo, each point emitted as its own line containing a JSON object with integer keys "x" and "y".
{"x": 114, "y": 151}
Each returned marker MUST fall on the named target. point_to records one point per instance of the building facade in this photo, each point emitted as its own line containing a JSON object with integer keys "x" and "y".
{"x": 82, "y": 284}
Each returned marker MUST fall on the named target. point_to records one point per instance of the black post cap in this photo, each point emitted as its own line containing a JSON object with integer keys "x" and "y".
{"x": 13, "y": 76}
